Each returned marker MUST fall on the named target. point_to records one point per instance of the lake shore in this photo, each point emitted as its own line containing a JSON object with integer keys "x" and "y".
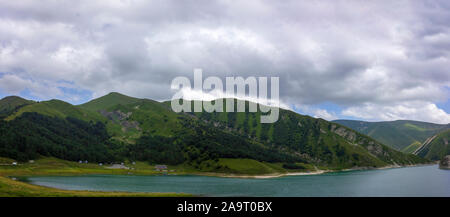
{"x": 403, "y": 182}
{"x": 11, "y": 187}
{"x": 386, "y": 167}
{"x": 317, "y": 172}
{"x": 263, "y": 176}
{"x": 55, "y": 167}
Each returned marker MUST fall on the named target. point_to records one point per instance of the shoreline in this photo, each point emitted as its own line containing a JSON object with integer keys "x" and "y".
{"x": 263, "y": 176}
{"x": 38, "y": 190}
{"x": 231, "y": 175}
{"x": 386, "y": 167}
{"x": 317, "y": 172}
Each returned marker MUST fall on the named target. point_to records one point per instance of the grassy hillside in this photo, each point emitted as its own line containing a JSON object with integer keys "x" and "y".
{"x": 396, "y": 134}
{"x": 57, "y": 108}
{"x": 146, "y": 130}
{"x": 437, "y": 148}
{"x": 10, "y": 104}
{"x": 107, "y": 101}
{"x": 129, "y": 118}
{"x": 411, "y": 148}
{"x": 316, "y": 140}
{"x": 151, "y": 117}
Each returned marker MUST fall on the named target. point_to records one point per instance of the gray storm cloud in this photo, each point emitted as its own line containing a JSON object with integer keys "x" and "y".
{"x": 379, "y": 60}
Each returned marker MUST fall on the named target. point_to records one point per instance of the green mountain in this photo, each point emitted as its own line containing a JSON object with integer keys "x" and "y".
{"x": 10, "y": 104}
{"x": 402, "y": 135}
{"x": 108, "y": 101}
{"x": 129, "y": 118}
{"x": 317, "y": 140}
{"x": 436, "y": 147}
{"x": 146, "y": 130}
{"x": 56, "y": 108}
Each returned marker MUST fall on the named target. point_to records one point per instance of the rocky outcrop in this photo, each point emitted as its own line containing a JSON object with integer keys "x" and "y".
{"x": 374, "y": 148}
{"x": 121, "y": 118}
{"x": 115, "y": 115}
{"x": 347, "y": 134}
{"x": 445, "y": 163}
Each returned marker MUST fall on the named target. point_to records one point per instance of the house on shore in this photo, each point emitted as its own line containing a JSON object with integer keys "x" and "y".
{"x": 160, "y": 167}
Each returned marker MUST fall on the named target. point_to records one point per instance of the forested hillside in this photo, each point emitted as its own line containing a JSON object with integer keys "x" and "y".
{"x": 117, "y": 127}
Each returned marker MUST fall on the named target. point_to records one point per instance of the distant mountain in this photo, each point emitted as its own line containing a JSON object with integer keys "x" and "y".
{"x": 147, "y": 130}
{"x": 402, "y": 135}
{"x": 436, "y": 147}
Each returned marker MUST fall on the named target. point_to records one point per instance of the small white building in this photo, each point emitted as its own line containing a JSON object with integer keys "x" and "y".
{"x": 14, "y": 163}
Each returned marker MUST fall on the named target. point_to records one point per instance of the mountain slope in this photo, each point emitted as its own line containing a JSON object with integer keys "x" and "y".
{"x": 437, "y": 147}
{"x": 10, "y": 104}
{"x": 316, "y": 140}
{"x": 32, "y": 135}
{"x": 129, "y": 117}
{"x": 57, "y": 108}
{"x": 142, "y": 129}
{"x": 396, "y": 134}
{"x": 411, "y": 148}
{"x": 108, "y": 101}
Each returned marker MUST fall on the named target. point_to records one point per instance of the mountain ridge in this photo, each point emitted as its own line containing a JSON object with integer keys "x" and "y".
{"x": 397, "y": 134}
{"x": 11, "y": 103}
{"x": 108, "y": 100}
{"x": 148, "y": 130}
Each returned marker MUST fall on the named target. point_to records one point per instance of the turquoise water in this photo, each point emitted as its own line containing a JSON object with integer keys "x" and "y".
{"x": 409, "y": 181}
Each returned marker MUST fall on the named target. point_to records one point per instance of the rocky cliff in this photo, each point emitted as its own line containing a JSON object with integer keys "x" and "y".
{"x": 445, "y": 163}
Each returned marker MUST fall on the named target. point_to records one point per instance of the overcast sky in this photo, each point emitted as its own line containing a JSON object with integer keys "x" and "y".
{"x": 368, "y": 60}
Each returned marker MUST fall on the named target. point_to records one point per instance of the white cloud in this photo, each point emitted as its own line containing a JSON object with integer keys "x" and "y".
{"x": 322, "y": 113}
{"x": 13, "y": 84}
{"x": 421, "y": 111}
{"x": 385, "y": 55}
{"x": 316, "y": 112}
{"x": 192, "y": 94}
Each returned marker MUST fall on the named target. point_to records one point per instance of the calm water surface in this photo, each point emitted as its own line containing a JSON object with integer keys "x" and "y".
{"x": 410, "y": 181}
